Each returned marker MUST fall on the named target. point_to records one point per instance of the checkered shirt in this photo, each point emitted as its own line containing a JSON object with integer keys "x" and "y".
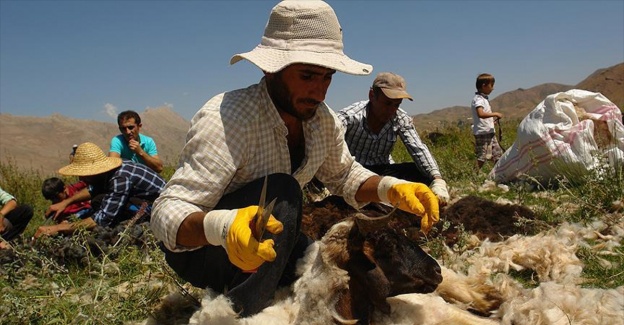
{"x": 130, "y": 180}
{"x": 237, "y": 137}
{"x": 374, "y": 149}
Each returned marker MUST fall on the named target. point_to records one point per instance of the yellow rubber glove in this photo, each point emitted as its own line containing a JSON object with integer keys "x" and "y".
{"x": 415, "y": 198}
{"x": 242, "y": 248}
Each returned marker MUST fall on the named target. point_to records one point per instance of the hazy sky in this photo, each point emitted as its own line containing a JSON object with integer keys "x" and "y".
{"x": 93, "y": 59}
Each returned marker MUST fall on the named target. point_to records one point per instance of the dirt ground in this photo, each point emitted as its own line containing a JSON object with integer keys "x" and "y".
{"x": 478, "y": 216}
{"x": 485, "y": 219}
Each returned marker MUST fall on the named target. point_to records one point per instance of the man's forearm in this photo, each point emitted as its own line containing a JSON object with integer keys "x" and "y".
{"x": 191, "y": 231}
{"x": 80, "y": 196}
{"x": 368, "y": 190}
{"x": 8, "y": 207}
{"x": 152, "y": 162}
{"x": 87, "y": 223}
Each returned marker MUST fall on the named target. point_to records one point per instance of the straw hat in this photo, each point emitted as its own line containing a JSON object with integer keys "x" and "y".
{"x": 302, "y": 31}
{"x": 90, "y": 160}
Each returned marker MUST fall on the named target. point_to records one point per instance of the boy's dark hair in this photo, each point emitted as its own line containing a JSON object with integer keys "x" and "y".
{"x": 128, "y": 115}
{"x": 52, "y": 187}
{"x": 484, "y": 79}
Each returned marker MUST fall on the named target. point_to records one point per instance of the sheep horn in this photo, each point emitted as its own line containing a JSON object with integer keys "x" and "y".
{"x": 367, "y": 224}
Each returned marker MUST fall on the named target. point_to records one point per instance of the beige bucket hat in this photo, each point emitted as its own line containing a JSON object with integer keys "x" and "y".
{"x": 90, "y": 160}
{"x": 392, "y": 85}
{"x": 302, "y": 31}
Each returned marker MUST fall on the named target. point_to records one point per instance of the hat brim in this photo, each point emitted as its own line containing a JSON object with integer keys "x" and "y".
{"x": 95, "y": 168}
{"x": 396, "y": 94}
{"x": 274, "y": 60}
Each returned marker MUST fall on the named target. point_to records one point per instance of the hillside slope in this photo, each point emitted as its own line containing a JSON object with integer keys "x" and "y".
{"x": 44, "y": 143}
{"x": 518, "y": 103}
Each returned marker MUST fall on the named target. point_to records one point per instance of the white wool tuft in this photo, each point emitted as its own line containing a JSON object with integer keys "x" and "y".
{"x": 553, "y": 304}
{"x": 215, "y": 309}
{"x": 428, "y": 309}
{"x": 549, "y": 256}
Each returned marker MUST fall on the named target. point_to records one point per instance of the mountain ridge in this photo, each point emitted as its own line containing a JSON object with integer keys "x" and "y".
{"x": 516, "y": 104}
{"x": 43, "y": 144}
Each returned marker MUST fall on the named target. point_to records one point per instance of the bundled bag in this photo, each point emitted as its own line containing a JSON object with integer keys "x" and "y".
{"x": 567, "y": 134}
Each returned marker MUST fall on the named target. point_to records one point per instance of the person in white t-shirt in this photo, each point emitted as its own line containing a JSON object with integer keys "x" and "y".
{"x": 486, "y": 145}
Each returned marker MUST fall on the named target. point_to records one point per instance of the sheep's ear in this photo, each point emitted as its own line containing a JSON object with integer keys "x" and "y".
{"x": 368, "y": 281}
{"x": 374, "y": 285}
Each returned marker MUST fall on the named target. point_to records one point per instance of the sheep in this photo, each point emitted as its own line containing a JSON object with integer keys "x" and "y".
{"x": 312, "y": 301}
{"x": 357, "y": 268}
{"x": 474, "y": 280}
{"x": 357, "y": 274}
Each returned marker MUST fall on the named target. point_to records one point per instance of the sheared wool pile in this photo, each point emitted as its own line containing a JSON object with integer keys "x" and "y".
{"x": 559, "y": 299}
{"x": 478, "y": 280}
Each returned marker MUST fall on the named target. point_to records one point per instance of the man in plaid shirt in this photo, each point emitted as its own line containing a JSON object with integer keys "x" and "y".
{"x": 371, "y": 129}
{"x": 117, "y": 188}
{"x": 279, "y": 128}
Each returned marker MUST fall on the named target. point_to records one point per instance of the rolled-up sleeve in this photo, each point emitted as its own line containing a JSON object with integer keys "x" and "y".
{"x": 419, "y": 151}
{"x": 340, "y": 172}
{"x": 206, "y": 167}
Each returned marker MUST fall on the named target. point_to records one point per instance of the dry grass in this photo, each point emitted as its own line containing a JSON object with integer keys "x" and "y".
{"x": 127, "y": 283}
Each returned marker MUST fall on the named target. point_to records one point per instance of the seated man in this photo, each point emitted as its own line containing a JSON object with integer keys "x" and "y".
{"x": 55, "y": 190}
{"x": 371, "y": 131}
{"x": 14, "y": 218}
{"x": 116, "y": 188}
{"x": 280, "y": 128}
{"x": 132, "y": 145}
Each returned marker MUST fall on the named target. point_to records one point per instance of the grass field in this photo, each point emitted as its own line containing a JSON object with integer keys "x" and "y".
{"x": 76, "y": 281}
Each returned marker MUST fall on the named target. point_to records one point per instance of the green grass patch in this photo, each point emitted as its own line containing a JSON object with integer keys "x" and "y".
{"x": 128, "y": 283}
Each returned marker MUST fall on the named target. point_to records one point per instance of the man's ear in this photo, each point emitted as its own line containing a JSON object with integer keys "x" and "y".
{"x": 371, "y": 94}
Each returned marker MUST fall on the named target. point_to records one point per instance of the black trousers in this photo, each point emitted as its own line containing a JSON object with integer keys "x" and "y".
{"x": 406, "y": 171}
{"x": 19, "y": 218}
{"x": 250, "y": 292}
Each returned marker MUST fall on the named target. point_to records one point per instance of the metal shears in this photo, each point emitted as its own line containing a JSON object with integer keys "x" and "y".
{"x": 258, "y": 224}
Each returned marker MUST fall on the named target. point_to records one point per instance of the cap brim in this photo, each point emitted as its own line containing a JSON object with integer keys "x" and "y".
{"x": 396, "y": 94}
{"x": 273, "y": 60}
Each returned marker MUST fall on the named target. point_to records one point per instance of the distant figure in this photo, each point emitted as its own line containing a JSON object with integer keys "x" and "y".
{"x": 71, "y": 154}
{"x": 117, "y": 189}
{"x": 55, "y": 190}
{"x": 371, "y": 131}
{"x": 132, "y": 145}
{"x": 14, "y": 218}
{"x": 486, "y": 145}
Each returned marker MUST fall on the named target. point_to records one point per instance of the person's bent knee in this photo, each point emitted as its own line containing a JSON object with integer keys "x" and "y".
{"x": 286, "y": 185}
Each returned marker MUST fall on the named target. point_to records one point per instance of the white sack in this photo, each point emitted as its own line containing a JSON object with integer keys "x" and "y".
{"x": 567, "y": 134}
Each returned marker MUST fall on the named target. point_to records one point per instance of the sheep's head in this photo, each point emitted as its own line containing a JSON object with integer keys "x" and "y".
{"x": 407, "y": 267}
{"x": 381, "y": 263}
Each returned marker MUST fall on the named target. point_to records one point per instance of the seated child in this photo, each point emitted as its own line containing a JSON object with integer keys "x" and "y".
{"x": 55, "y": 190}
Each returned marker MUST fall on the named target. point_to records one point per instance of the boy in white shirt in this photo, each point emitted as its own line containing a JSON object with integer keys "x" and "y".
{"x": 486, "y": 145}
